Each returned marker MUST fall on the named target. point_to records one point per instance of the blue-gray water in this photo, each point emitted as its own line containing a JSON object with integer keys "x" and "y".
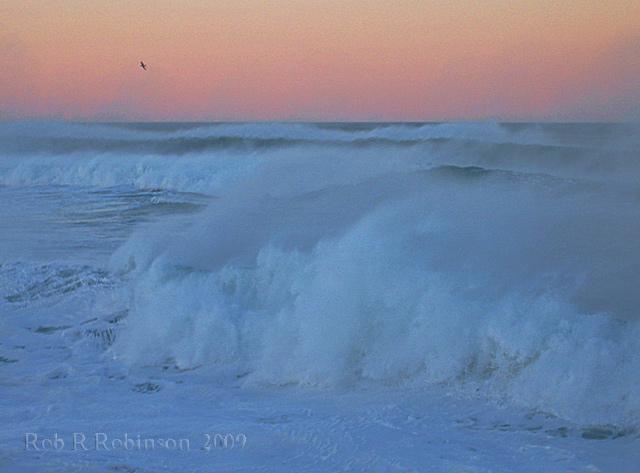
{"x": 499, "y": 261}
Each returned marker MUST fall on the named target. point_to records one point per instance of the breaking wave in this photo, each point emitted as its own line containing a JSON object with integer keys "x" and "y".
{"x": 321, "y": 272}
{"x": 499, "y": 259}
{"x": 206, "y": 158}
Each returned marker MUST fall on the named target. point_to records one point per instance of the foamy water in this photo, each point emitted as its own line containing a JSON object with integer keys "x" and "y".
{"x": 474, "y": 287}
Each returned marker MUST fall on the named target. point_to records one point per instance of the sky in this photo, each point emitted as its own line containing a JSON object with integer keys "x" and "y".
{"x": 320, "y": 60}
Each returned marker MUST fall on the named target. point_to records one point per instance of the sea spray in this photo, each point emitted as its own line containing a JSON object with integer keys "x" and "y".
{"x": 506, "y": 281}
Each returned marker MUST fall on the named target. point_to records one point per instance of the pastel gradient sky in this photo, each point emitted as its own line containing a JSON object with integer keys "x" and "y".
{"x": 570, "y": 60}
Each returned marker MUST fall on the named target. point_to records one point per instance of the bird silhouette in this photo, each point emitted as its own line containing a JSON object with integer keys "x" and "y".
{"x": 143, "y": 65}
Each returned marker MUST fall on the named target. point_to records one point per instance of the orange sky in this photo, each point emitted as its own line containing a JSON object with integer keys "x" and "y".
{"x": 320, "y": 59}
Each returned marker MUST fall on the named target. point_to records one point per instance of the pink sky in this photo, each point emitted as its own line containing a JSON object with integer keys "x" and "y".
{"x": 320, "y": 60}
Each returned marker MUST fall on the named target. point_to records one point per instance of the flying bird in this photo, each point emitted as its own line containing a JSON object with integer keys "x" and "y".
{"x": 143, "y": 65}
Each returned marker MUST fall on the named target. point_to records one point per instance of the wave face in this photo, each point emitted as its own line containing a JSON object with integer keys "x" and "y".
{"x": 500, "y": 259}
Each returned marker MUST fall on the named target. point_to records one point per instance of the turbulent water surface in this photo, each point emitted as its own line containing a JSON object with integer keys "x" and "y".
{"x": 328, "y": 297}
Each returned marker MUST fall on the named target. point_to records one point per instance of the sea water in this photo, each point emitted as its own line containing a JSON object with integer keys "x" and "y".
{"x": 455, "y": 297}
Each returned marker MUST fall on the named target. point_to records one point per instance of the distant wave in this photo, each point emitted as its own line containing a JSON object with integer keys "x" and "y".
{"x": 203, "y": 157}
{"x": 175, "y": 146}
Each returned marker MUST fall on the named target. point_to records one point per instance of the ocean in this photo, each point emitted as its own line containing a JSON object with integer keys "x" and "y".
{"x": 392, "y": 297}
